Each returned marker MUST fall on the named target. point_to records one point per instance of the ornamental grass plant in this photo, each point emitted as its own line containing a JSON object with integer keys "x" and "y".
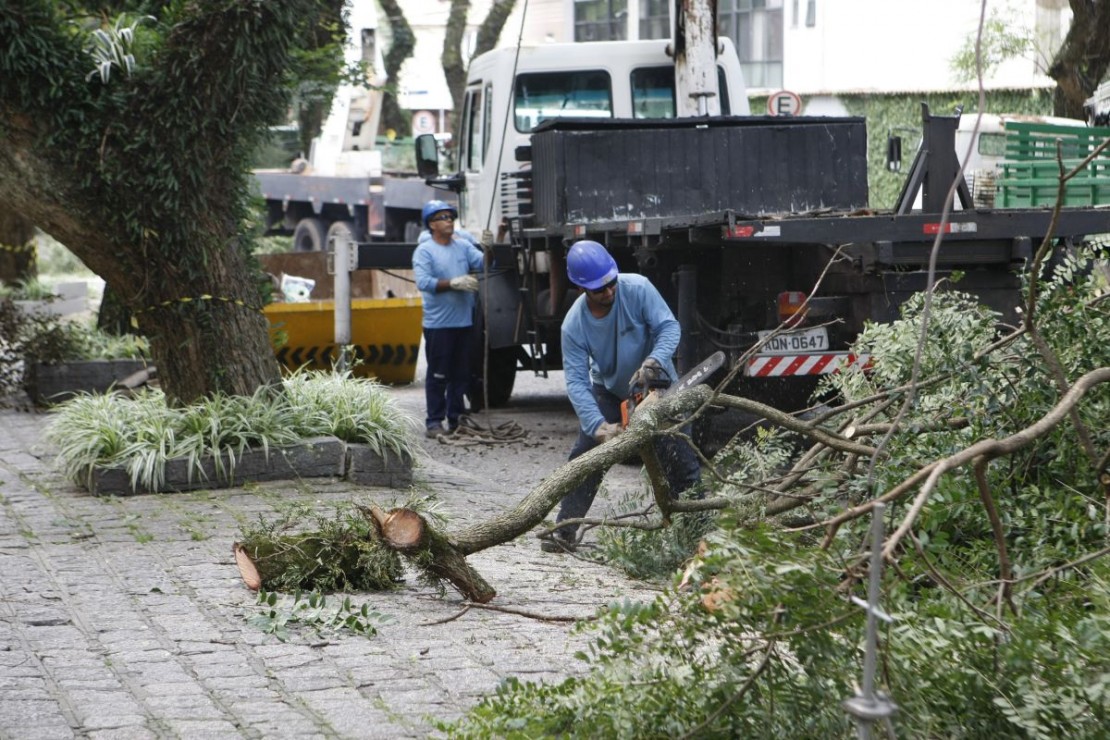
{"x": 141, "y": 433}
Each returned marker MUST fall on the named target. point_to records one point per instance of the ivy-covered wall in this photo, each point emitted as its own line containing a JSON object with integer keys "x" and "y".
{"x": 901, "y": 114}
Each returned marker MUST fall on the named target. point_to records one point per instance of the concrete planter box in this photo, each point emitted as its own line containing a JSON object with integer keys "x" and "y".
{"x": 321, "y": 457}
{"x": 57, "y": 382}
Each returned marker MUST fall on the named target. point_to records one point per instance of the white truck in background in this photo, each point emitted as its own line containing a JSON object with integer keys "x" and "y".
{"x": 345, "y": 187}
{"x": 733, "y": 217}
{"x": 624, "y": 80}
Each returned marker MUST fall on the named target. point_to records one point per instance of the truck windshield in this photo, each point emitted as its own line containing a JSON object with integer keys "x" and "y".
{"x": 653, "y": 92}
{"x": 544, "y": 95}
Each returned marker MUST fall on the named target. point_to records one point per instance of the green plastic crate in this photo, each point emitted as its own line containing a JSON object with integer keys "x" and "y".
{"x": 1031, "y": 174}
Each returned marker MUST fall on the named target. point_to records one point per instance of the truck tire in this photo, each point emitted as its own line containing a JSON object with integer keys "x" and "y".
{"x": 502, "y": 377}
{"x": 309, "y": 236}
{"x": 339, "y": 230}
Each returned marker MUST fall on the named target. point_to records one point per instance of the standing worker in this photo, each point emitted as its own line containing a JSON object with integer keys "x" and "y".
{"x": 617, "y": 335}
{"x": 442, "y": 265}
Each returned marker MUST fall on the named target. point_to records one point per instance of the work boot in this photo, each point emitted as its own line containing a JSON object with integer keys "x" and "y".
{"x": 558, "y": 542}
{"x": 433, "y": 432}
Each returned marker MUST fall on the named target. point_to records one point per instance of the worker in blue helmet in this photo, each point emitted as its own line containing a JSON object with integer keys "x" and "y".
{"x": 619, "y": 333}
{"x": 442, "y": 264}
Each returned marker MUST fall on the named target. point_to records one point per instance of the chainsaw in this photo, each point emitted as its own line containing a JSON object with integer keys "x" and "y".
{"x": 663, "y": 387}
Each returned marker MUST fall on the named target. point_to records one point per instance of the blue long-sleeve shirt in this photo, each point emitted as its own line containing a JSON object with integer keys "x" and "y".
{"x": 607, "y": 351}
{"x": 432, "y": 262}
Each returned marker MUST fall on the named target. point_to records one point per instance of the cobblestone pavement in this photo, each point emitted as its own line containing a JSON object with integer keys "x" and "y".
{"x": 125, "y": 617}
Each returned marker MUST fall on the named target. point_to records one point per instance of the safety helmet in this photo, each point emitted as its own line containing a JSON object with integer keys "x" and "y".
{"x": 589, "y": 266}
{"x": 433, "y": 207}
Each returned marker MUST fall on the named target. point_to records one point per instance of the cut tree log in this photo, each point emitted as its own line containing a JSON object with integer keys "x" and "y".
{"x": 402, "y": 529}
{"x": 407, "y": 532}
{"x": 246, "y": 567}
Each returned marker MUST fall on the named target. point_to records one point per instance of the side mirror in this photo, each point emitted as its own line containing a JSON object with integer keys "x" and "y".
{"x": 427, "y": 156}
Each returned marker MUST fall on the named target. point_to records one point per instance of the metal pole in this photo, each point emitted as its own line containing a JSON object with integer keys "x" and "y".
{"x": 342, "y": 251}
{"x": 869, "y": 706}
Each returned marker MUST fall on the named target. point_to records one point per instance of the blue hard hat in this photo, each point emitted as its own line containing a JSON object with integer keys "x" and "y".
{"x": 590, "y": 266}
{"x": 433, "y": 207}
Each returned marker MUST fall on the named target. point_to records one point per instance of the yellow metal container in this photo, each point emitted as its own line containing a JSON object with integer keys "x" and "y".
{"x": 385, "y": 333}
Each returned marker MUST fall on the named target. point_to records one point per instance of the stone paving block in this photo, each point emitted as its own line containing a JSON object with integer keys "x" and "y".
{"x": 203, "y": 729}
{"x": 78, "y": 557}
{"x": 128, "y": 733}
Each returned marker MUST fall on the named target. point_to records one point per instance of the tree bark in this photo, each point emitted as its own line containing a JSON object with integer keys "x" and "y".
{"x": 17, "y": 248}
{"x": 454, "y": 66}
{"x": 145, "y": 177}
{"x": 490, "y": 30}
{"x": 1083, "y": 59}
{"x": 400, "y": 49}
{"x": 408, "y": 533}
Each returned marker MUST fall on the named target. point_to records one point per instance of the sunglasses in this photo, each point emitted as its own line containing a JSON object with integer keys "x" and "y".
{"x": 442, "y": 217}
{"x": 611, "y": 284}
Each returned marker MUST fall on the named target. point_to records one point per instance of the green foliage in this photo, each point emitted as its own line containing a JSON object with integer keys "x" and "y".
{"x": 312, "y": 611}
{"x": 1002, "y": 40}
{"x": 306, "y": 550}
{"x": 55, "y": 259}
{"x": 141, "y": 433}
{"x": 112, "y": 48}
{"x": 38, "y": 336}
{"x": 759, "y": 638}
{"x": 156, "y": 165}
{"x": 651, "y": 554}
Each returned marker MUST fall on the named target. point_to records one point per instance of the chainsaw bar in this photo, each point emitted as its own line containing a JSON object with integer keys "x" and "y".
{"x": 698, "y": 375}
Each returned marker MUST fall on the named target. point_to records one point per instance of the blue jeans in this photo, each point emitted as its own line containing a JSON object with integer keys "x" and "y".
{"x": 448, "y": 352}
{"x": 680, "y": 464}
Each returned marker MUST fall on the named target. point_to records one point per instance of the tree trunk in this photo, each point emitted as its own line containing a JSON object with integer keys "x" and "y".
{"x": 1082, "y": 61}
{"x": 490, "y": 30}
{"x": 17, "y": 248}
{"x": 454, "y": 66}
{"x": 400, "y": 49}
{"x": 145, "y": 176}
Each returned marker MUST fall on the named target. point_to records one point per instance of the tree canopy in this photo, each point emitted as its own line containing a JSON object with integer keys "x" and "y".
{"x": 128, "y": 130}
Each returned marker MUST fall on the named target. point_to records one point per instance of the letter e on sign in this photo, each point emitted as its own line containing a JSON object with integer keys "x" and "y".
{"x": 784, "y": 103}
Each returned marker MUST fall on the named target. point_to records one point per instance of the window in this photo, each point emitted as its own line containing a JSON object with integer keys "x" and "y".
{"x": 544, "y": 95}
{"x": 655, "y": 19}
{"x": 473, "y": 135}
{"x": 653, "y": 92}
{"x": 756, "y": 28}
{"x": 487, "y": 116}
{"x": 600, "y": 20}
{"x": 992, "y": 144}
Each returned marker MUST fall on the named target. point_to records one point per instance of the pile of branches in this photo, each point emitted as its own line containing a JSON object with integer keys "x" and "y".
{"x": 989, "y": 453}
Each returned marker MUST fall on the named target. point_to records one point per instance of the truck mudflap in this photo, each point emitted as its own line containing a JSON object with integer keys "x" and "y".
{"x": 822, "y": 363}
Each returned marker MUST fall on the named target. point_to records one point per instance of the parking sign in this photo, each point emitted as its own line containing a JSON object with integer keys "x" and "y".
{"x": 784, "y": 103}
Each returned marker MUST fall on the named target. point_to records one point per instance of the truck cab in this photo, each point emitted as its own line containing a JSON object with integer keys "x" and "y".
{"x": 509, "y": 92}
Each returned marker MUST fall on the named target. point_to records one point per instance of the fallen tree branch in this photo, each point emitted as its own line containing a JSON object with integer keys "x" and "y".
{"x": 990, "y": 449}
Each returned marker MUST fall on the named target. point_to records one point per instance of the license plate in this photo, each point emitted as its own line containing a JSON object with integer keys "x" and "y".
{"x": 795, "y": 342}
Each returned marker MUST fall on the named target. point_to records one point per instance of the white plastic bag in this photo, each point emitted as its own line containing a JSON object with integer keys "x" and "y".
{"x": 296, "y": 289}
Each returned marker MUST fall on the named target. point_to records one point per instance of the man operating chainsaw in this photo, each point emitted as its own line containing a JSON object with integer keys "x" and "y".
{"x": 618, "y": 338}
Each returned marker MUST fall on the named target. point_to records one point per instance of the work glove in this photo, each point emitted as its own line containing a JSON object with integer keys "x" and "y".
{"x": 465, "y": 283}
{"x": 648, "y": 373}
{"x": 606, "y": 432}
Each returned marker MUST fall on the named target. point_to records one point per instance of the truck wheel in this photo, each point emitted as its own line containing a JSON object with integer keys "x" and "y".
{"x": 502, "y": 377}
{"x": 341, "y": 230}
{"x": 309, "y": 236}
